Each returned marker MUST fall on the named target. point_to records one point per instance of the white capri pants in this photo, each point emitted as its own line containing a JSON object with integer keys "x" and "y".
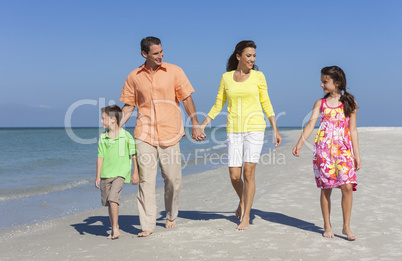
{"x": 244, "y": 147}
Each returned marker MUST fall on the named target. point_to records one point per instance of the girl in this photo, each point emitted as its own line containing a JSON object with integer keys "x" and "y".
{"x": 245, "y": 89}
{"x": 336, "y": 154}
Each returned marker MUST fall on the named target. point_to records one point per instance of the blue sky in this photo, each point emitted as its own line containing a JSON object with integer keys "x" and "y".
{"x": 72, "y": 57}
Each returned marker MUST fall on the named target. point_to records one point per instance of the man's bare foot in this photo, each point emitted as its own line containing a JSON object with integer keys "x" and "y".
{"x": 349, "y": 234}
{"x": 144, "y": 234}
{"x": 170, "y": 223}
{"x": 240, "y": 211}
{"x": 328, "y": 232}
{"x": 243, "y": 224}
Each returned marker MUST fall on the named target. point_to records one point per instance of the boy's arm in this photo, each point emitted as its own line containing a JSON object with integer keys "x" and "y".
{"x": 135, "y": 178}
{"x": 309, "y": 128}
{"x": 99, "y": 163}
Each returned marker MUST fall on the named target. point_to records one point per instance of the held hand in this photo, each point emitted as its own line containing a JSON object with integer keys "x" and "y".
{"x": 97, "y": 182}
{"x": 358, "y": 163}
{"x": 135, "y": 178}
{"x": 296, "y": 150}
{"x": 277, "y": 139}
{"x": 198, "y": 133}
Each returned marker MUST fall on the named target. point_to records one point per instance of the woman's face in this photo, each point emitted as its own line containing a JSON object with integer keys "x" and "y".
{"x": 247, "y": 58}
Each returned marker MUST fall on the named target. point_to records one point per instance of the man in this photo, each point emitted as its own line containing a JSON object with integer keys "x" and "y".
{"x": 156, "y": 88}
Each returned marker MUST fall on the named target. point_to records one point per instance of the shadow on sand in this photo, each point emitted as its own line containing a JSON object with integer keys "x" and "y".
{"x": 128, "y": 222}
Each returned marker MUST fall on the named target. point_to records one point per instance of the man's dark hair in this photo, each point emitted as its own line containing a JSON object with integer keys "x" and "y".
{"x": 147, "y": 42}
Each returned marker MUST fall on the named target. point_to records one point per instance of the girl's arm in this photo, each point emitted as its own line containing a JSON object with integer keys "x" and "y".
{"x": 355, "y": 140}
{"x": 309, "y": 128}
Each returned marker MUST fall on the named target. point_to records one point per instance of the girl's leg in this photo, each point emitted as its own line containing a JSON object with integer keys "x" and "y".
{"x": 249, "y": 192}
{"x": 325, "y": 201}
{"x": 347, "y": 199}
{"x": 237, "y": 183}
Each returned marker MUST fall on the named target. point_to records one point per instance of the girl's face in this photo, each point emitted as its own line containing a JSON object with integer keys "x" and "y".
{"x": 247, "y": 58}
{"x": 328, "y": 85}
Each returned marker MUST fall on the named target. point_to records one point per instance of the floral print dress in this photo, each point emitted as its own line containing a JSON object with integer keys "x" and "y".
{"x": 333, "y": 159}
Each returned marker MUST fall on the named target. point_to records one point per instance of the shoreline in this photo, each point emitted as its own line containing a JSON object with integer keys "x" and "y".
{"x": 286, "y": 217}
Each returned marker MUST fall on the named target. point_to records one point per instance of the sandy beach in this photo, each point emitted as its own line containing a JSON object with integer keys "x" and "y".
{"x": 286, "y": 216}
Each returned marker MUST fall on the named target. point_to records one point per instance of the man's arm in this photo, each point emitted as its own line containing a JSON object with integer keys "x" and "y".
{"x": 127, "y": 112}
{"x": 197, "y": 134}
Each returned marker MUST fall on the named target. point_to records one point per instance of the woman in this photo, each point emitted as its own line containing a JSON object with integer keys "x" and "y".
{"x": 246, "y": 90}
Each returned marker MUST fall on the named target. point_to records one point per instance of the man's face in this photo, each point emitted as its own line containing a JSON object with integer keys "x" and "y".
{"x": 154, "y": 57}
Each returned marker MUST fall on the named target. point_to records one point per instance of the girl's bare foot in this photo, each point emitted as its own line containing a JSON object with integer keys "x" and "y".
{"x": 144, "y": 234}
{"x": 328, "y": 232}
{"x": 239, "y": 211}
{"x": 243, "y": 224}
{"x": 170, "y": 223}
{"x": 349, "y": 234}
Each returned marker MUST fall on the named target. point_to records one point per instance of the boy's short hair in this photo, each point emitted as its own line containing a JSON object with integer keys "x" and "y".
{"x": 113, "y": 111}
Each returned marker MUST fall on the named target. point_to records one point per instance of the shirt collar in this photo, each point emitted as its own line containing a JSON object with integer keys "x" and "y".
{"x": 143, "y": 68}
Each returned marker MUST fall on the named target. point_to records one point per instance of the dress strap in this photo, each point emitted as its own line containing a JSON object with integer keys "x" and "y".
{"x": 323, "y": 100}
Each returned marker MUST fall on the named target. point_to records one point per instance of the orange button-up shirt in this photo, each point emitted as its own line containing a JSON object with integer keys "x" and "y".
{"x": 157, "y": 98}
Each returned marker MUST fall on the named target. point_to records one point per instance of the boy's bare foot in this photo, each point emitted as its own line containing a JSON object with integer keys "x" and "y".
{"x": 239, "y": 211}
{"x": 170, "y": 223}
{"x": 243, "y": 224}
{"x": 349, "y": 234}
{"x": 144, "y": 234}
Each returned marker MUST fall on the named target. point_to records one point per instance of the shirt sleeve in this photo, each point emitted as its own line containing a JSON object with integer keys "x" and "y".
{"x": 264, "y": 98}
{"x": 183, "y": 86}
{"x": 101, "y": 147}
{"x": 132, "y": 148}
{"x": 128, "y": 93}
{"x": 220, "y": 100}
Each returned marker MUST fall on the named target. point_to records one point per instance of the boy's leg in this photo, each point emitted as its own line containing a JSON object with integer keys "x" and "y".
{"x": 113, "y": 206}
{"x": 147, "y": 156}
{"x": 347, "y": 199}
{"x": 325, "y": 201}
{"x": 170, "y": 163}
{"x": 114, "y": 220}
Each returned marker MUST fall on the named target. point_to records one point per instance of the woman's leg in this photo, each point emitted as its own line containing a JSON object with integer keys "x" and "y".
{"x": 347, "y": 199}
{"x": 325, "y": 201}
{"x": 237, "y": 183}
{"x": 248, "y": 193}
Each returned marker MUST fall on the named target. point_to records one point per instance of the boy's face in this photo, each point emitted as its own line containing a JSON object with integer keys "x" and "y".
{"x": 106, "y": 120}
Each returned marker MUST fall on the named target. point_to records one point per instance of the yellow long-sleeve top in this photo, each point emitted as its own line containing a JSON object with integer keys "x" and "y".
{"x": 244, "y": 102}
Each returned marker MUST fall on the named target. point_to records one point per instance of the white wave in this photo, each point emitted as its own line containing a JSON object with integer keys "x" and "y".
{"x": 40, "y": 190}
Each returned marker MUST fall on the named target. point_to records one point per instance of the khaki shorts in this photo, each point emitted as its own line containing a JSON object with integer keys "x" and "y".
{"x": 111, "y": 190}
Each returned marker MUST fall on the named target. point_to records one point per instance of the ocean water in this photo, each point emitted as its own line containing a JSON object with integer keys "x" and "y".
{"x": 49, "y": 172}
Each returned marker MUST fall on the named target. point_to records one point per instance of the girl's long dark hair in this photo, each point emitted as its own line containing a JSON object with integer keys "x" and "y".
{"x": 339, "y": 77}
{"x": 233, "y": 62}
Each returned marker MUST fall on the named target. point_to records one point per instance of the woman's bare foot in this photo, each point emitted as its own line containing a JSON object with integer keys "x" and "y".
{"x": 170, "y": 223}
{"x": 114, "y": 235}
{"x": 243, "y": 224}
{"x": 144, "y": 234}
{"x": 349, "y": 234}
{"x": 328, "y": 232}
{"x": 240, "y": 211}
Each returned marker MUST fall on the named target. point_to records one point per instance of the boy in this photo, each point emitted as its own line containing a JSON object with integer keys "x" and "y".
{"x": 115, "y": 148}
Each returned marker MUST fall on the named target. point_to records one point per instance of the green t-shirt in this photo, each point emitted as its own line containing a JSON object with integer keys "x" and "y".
{"x": 116, "y": 154}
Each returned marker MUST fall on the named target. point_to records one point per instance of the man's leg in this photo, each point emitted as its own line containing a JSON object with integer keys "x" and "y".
{"x": 170, "y": 163}
{"x": 147, "y": 156}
